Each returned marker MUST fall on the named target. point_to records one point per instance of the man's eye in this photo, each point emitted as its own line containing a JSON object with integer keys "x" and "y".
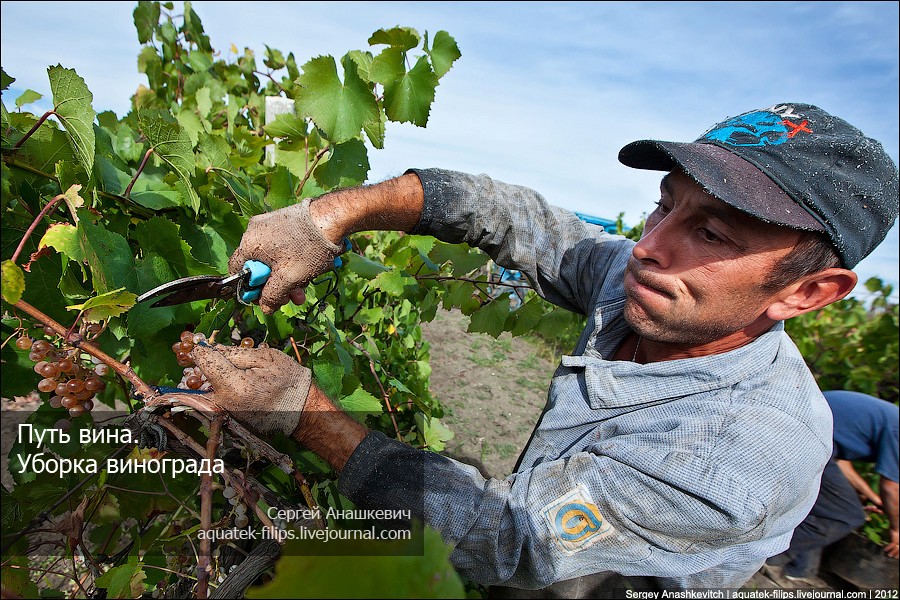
{"x": 709, "y": 236}
{"x": 662, "y": 208}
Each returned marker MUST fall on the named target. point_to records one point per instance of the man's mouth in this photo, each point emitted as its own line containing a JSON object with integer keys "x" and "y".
{"x": 642, "y": 281}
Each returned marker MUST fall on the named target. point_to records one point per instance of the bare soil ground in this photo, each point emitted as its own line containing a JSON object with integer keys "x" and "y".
{"x": 493, "y": 390}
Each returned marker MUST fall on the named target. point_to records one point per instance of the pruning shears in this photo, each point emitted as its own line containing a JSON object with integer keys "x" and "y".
{"x": 245, "y": 286}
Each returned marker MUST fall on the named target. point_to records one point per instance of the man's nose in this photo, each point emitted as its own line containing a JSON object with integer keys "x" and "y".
{"x": 657, "y": 243}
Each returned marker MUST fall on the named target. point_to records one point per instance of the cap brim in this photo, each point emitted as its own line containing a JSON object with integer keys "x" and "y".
{"x": 726, "y": 176}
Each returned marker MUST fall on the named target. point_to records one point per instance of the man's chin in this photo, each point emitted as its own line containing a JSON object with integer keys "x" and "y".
{"x": 637, "y": 318}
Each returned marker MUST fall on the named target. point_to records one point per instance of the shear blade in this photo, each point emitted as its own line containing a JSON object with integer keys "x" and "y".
{"x": 190, "y": 289}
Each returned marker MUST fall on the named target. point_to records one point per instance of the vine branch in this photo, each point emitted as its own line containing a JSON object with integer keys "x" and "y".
{"x": 44, "y": 212}
{"x": 203, "y": 567}
{"x": 140, "y": 169}
{"x": 384, "y": 395}
{"x": 31, "y": 131}
{"x": 312, "y": 168}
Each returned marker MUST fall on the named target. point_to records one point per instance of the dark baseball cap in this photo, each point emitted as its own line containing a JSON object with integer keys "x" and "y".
{"x": 794, "y": 165}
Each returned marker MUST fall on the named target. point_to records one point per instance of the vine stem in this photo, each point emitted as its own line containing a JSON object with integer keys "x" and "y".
{"x": 44, "y": 212}
{"x": 384, "y": 395}
{"x": 79, "y": 342}
{"x": 312, "y": 168}
{"x": 137, "y": 173}
{"x": 33, "y": 129}
{"x": 212, "y": 445}
{"x": 269, "y": 75}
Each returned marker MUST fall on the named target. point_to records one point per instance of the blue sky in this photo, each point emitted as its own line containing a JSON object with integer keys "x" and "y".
{"x": 546, "y": 93}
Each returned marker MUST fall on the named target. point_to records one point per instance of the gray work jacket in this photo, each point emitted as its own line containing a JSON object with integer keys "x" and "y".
{"x": 691, "y": 472}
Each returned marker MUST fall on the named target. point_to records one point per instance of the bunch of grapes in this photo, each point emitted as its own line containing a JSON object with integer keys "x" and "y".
{"x": 241, "y": 519}
{"x": 182, "y": 348}
{"x": 71, "y": 378}
{"x": 192, "y": 378}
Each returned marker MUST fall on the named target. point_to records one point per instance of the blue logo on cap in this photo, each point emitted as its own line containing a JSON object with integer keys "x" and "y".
{"x": 760, "y": 128}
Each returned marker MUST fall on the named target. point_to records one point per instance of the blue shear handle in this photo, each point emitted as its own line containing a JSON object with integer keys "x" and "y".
{"x": 338, "y": 262}
{"x": 259, "y": 274}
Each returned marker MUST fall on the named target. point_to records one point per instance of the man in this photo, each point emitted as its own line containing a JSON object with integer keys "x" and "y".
{"x": 684, "y": 438}
{"x": 865, "y": 429}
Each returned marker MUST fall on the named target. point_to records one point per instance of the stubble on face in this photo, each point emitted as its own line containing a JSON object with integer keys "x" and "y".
{"x": 675, "y": 317}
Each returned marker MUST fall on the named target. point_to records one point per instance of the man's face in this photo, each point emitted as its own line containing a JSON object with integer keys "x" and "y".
{"x": 695, "y": 277}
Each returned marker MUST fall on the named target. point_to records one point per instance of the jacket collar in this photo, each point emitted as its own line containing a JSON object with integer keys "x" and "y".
{"x": 614, "y": 384}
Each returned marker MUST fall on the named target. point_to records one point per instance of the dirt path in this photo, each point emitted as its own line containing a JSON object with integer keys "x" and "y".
{"x": 492, "y": 389}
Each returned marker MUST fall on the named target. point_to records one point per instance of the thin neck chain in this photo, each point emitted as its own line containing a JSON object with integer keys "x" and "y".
{"x": 636, "y": 348}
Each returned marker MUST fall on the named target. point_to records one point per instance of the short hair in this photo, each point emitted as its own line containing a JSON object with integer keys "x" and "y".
{"x": 813, "y": 253}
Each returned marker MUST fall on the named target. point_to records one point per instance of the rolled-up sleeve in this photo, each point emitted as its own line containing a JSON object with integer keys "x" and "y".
{"x": 564, "y": 258}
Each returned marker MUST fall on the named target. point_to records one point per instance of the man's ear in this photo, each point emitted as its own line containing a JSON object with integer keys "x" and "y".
{"x": 812, "y": 292}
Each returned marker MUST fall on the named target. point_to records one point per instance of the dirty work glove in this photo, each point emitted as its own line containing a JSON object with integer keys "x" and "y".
{"x": 292, "y": 245}
{"x": 263, "y": 387}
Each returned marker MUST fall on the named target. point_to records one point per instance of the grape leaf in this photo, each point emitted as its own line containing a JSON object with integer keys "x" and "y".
{"x": 286, "y": 126}
{"x": 106, "y": 306}
{"x": 375, "y": 131}
{"x": 207, "y": 245}
{"x": 274, "y": 59}
{"x": 407, "y": 95}
{"x": 63, "y": 238}
{"x": 436, "y": 434}
{"x": 191, "y": 124}
{"x": 13, "y": 282}
{"x": 247, "y": 195}
{"x": 524, "y": 319}
{"x": 491, "y": 318}
{"x": 46, "y": 147}
{"x": 204, "y": 103}
{"x": 144, "y": 321}
{"x": 72, "y": 105}
{"x": 162, "y": 237}
{"x": 282, "y": 184}
{"x": 146, "y": 18}
{"x": 463, "y": 259}
{"x": 214, "y": 152}
{"x": 292, "y": 157}
{"x": 329, "y": 376}
{"x": 363, "y": 266}
{"x": 363, "y": 61}
{"x": 339, "y": 109}
{"x": 27, "y": 97}
{"x": 361, "y": 403}
{"x": 124, "y": 581}
{"x": 173, "y": 145}
{"x": 393, "y": 282}
{"x": 444, "y": 52}
{"x": 5, "y": 80}
{"x": 73, "y": 200}
{"x": 108, "y": 255}
{"x": 403, "y": 38}
{"x": 216, "y": 318}
{"x": 348, "y": 166}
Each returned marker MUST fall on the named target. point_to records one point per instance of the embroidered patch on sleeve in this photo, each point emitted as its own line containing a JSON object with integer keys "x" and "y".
{"x": 575, "y": 521}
